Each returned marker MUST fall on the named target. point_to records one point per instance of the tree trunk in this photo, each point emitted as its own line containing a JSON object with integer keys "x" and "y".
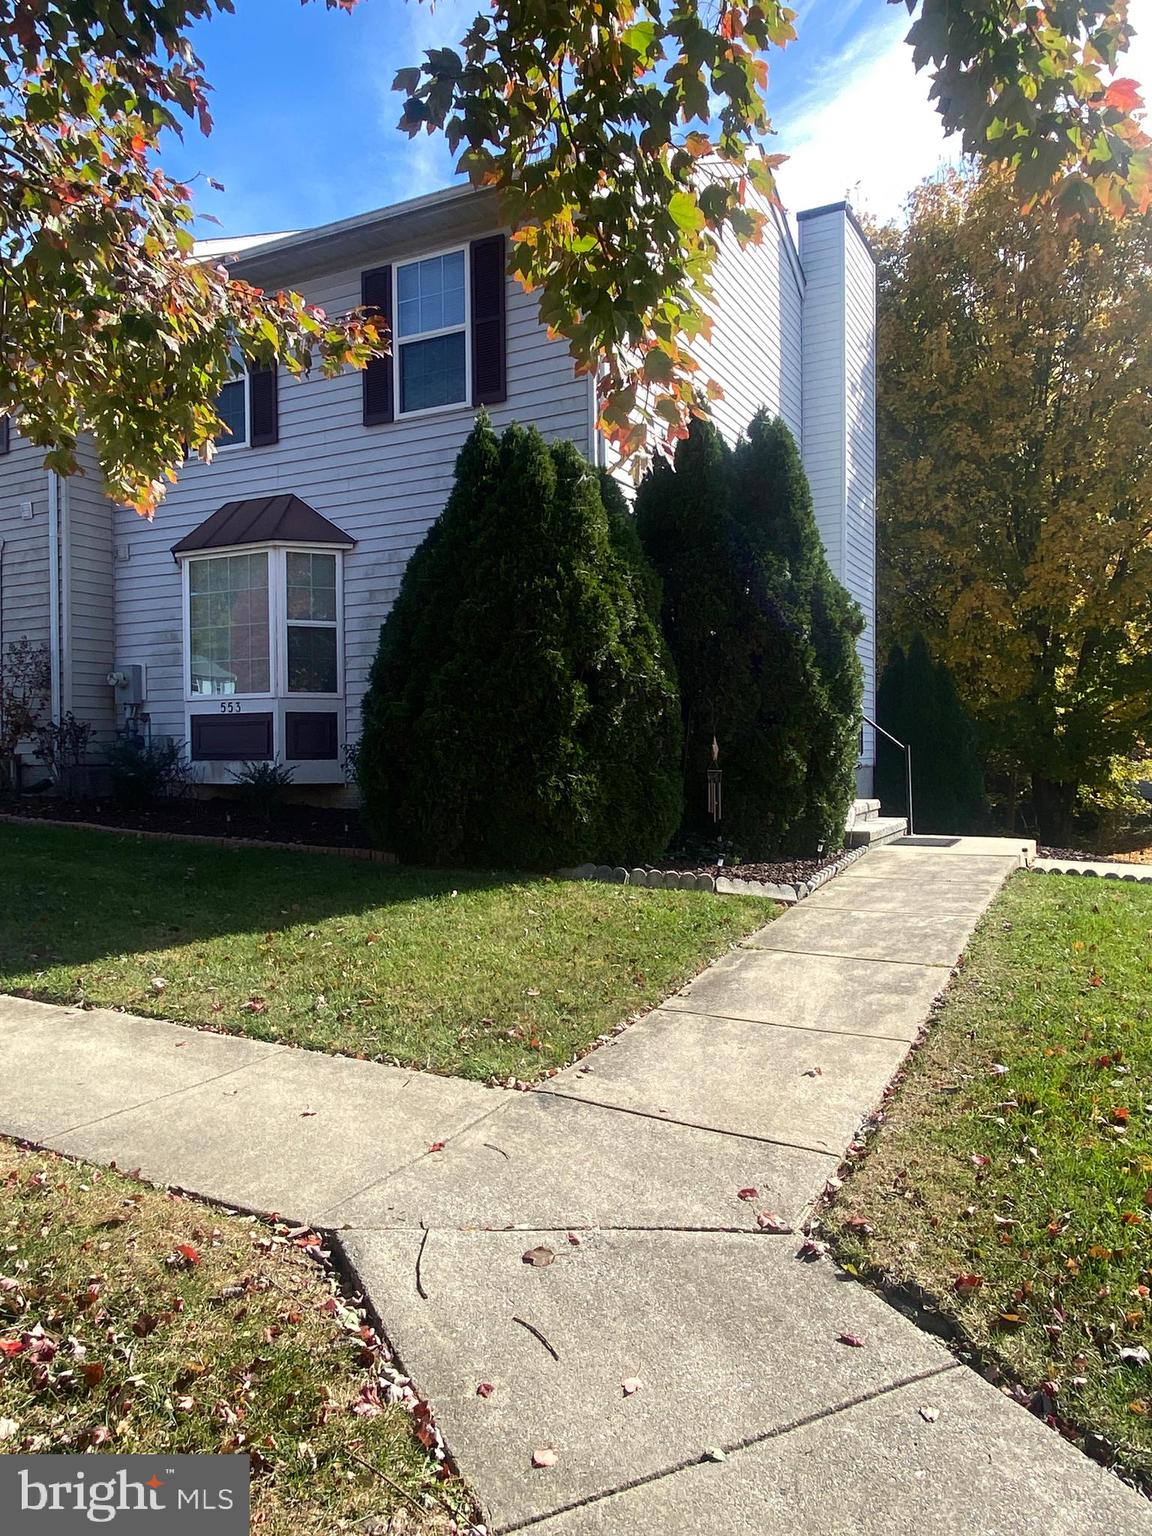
{"x": 1053, "y": 802}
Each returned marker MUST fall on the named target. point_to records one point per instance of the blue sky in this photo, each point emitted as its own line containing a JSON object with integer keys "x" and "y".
{"x": 305, "y": 116}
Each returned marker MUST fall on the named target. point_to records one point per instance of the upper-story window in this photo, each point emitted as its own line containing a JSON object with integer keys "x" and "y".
{"x": 432, "y": 332}
{"x": 232, "y": 407}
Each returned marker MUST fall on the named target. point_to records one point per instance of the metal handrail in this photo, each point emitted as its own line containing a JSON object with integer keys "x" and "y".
{"x": 907, "y": 751}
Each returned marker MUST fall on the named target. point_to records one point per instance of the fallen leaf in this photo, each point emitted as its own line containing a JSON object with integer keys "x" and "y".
{"x": 544, "y": 1456}
{"x": 574, "y": 1239}
{"x": 1135, "y": 1354}
{"x": 157, "y": 983}
{"x": 308, "y": 1114}
{"x": 997, "y": 1069}
{"x": 539, "y": 1258}
{"x": 813, "y": 1072}
{"x": 809, "y": 1251}
{"x": 967, "y": 1285}
{"x": 8, "y": 1429}
{"x": 12, "y": 1347}
{"x": 768, "y": 1221}
{"x": 714, "y": 1453}
{"x": 629, "y": 1385}
{"x": 485, "y": 1389}
{"x": 436, "y": 1146}
{"x": 856, "y": 1223}
{"x": 853, "y": 1340}
{"x": 186, "y": 1251}
{"x": 929, "y": 1415}
{"x": 747, "y": 1194}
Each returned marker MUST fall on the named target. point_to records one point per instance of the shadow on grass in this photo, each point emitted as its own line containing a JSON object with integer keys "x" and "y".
{"x": 71, "y": 898}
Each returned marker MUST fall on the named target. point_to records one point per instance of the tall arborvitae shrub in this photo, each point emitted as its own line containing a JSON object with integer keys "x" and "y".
{"x": 917, "y": 701}
{"x": 519, "y": 710}
{"x": 763, "y": 638}
{"x": 772, "y": 505}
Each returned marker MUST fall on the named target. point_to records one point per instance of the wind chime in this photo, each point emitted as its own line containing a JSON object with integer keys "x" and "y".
{"x": 715, "y": 802}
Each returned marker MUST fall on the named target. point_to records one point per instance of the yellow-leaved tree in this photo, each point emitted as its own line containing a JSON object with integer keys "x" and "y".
{"x": 1015, "y": 444}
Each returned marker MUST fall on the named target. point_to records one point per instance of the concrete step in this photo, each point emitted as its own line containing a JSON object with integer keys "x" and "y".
{"x": 862, "y": 810}
{"x": 876, "y": 830}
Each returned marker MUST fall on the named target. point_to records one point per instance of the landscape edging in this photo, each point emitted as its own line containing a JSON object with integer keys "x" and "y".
{"x": 720, "y": 885}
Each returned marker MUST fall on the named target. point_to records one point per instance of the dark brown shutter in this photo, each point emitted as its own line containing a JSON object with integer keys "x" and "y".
{"x": 5, "y": 434}
{"x": 489, "y": 364}
{"x": 264, "y": 404}
{"x": 376, "y": 296}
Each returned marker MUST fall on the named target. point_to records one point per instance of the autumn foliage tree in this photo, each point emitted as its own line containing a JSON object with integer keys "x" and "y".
{"x": 1015, "y": 494}
{"x": 592, "y": 118}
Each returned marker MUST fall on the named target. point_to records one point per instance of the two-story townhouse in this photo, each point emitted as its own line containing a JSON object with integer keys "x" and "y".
{"x": 243, "y": 619}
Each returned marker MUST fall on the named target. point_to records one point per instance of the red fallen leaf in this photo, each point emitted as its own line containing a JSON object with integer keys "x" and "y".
{"x": 768, "y": 1221}
{"x": 857, "y": 1223}
{"x": 435, "y": 1146}
{"x": 978, "y": 1160}
{"x": 1095, "y": 979}
{"x": 810, "y": 1251}
{"x": 1120, "y": 1115}
{"x": 12, "y": 1347}
{"x": 630, "y": 1384}
{"x": 967, "y": 1285}
{"x": 747, "y": 1194}
{"x": 853, "y": 1340}
{"x": 254, "y": 1005}
{"x": 368, "y": 1404}
{"x": 539, "y": 1258}
{"x": 544, "y": 1456}
{"x": 574, "y": 1239}
{"x": 485, "y": 1389}
{"x": 186, "y": 1251}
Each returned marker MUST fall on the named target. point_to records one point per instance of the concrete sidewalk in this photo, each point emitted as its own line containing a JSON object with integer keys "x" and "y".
{"x": 633, "y": 1168}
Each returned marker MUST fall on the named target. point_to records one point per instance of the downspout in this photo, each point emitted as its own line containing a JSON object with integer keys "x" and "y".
{"x": 65, "y": 500}
{"x": 54, "y": 591}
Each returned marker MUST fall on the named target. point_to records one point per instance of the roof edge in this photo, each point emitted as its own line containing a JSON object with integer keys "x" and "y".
{"x": 841, "y": 207}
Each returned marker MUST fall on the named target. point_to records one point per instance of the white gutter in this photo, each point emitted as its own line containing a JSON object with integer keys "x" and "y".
{"x": 54, "y": 590}
{"x": 65, "y": 497}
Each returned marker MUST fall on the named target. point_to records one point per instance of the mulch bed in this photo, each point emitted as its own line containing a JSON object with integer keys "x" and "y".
{"x": 785, "y": 872}
{"x": 302, "y": 825}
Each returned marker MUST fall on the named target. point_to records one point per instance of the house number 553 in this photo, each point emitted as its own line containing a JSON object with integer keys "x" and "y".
{"x": 229, "y": 708}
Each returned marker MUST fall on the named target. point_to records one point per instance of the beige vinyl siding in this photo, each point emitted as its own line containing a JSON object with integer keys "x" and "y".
{"x": 383, "y": 485}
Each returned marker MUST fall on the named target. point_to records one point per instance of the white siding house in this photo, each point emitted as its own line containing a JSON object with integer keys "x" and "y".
{"x": 244, "y": 618}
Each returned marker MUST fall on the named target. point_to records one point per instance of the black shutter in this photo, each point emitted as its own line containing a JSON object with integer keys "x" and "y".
{"x": 5, "y": 434}
{"x": 264, "y": 404}
{"x": 376, "y": 296}
{"x": 489, "y": 366}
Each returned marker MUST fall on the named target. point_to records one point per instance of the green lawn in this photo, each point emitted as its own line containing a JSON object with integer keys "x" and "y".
{"x": 132, "y": 1320}
{"x": 1012, "y": 1180}
{"x": 482, "y": 975}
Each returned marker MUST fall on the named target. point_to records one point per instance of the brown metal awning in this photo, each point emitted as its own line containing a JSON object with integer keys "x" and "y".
{"x": 263, "y": 520}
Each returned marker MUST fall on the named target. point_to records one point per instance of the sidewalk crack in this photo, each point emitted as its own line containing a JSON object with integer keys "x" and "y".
{"x": 733, "y": 1447}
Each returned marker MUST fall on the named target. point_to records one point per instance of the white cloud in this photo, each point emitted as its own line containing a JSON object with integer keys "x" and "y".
{"x": 866, "y": 130}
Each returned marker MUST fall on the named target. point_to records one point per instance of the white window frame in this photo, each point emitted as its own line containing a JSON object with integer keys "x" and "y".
{"x": 446, "y": 330}
{"x": 225, "y": 444}
{"x": 278, "y": 622}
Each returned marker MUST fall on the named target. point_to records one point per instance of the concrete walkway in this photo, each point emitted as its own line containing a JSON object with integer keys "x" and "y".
{"x": 634, "y": 1169}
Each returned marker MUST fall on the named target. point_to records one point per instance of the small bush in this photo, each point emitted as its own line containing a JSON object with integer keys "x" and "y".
{"x": 143, "y": 770}
{"x": 262, "y": 787}
{"x": 25, "y": 682}
{"x": 63, "y": 745}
